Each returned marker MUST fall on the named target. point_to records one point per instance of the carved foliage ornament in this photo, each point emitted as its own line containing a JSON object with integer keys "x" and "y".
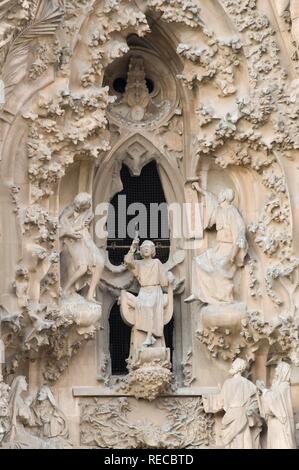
{"x": 187, "y": 425}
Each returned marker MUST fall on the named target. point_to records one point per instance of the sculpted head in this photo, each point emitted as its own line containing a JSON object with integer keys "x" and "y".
{"x": 23, "y": 383}
{"x": 238, "y": 366}
{"x": 20, "y": 384}
{"x": 82, "y": 202}
{"x": 42, "y": 393}
{"x": 227, "y": 195}
{"x": 148, "y": 249}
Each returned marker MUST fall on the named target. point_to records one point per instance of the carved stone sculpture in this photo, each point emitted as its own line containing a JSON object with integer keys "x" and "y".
{"x": 51, "y": 420}
{"x": 136, "y": 97}
{"x": 186, "y": 425}
{"x": 147, "y": 314}
{"x": 241, "y": 424}
{"x": 136, "y": 105}
{"x": 80, "y": 255}
{"x": 213, "y": 271}
{"x": 276, "y": 407}
{"x": 37, "y": 257}
{"x": 23, "y": 420}
{"x": 182, "y": 91}
{"x": 81, "y": 262}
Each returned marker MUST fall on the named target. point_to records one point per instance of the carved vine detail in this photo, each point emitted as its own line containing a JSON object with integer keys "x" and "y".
{"x": 105, "y": 423}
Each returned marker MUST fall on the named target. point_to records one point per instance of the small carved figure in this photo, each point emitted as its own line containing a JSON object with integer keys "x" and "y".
{"x": 21, "y": 286}
{"x": 25, "y": 418}
{"x": 21, "y": 415}
{"x": 38, "y": 262}
{"x": 50, "y": 419}
{"x": 136, "y": 105}
{"x": 241, "y": 424}
{"x": 213, "y": 271}
{"x": 276, "y": 407}
{"x": 80, "y": 255}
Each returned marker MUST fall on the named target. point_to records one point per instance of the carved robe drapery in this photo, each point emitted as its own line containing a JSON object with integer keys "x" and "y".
{"x": 50, "y": 419}
{"x": 150, "y": 303}
{"x": 213, "y": 271}
{"x": 81, "y": 251}
{"x": 276, "y": 408}
{"x": 239, "y": 425}
{"x": 18, "y": 437}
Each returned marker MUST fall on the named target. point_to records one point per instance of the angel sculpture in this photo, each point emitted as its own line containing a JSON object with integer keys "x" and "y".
{"x": 152, "y": 309}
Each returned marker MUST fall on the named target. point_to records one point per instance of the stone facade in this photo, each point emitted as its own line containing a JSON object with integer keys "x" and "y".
{"x": 208, "y": 92}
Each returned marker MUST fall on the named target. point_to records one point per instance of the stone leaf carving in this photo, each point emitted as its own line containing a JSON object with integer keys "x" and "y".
{"x": 187, "y": 425}
{"x": 188, "y": 369}
{"x": 278, "y": 337}
{"x": 179, "y": 11}
{"x": 47, "y": 19}
{"x": 53, "y": 143}
{"x": 218, "y": 61}
{"x": 75, "y": 321}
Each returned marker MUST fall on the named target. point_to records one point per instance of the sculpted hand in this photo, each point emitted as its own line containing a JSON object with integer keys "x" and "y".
{"x": 134, "y": 245}
{"x": 197, "y": 188}
{"x": 136, "y": 242}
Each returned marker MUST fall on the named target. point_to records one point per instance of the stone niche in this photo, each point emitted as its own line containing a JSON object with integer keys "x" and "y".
{"x": 109, "y": 106}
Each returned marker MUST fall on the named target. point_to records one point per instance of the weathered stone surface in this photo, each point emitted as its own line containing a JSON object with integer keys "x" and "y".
{"x": 206, "y": 92}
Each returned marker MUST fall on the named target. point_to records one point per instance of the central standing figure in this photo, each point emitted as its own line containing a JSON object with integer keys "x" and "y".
{"x": 151, "y": 309}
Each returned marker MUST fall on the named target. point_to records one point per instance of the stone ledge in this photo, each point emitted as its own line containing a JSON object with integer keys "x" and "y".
{"x": 106, "y": 392}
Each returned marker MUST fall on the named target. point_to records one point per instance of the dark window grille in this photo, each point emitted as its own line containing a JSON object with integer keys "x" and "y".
{"x": 120, "y": 336}
{"x": 120, "y": 83}
{"x": 146, "y": 189}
